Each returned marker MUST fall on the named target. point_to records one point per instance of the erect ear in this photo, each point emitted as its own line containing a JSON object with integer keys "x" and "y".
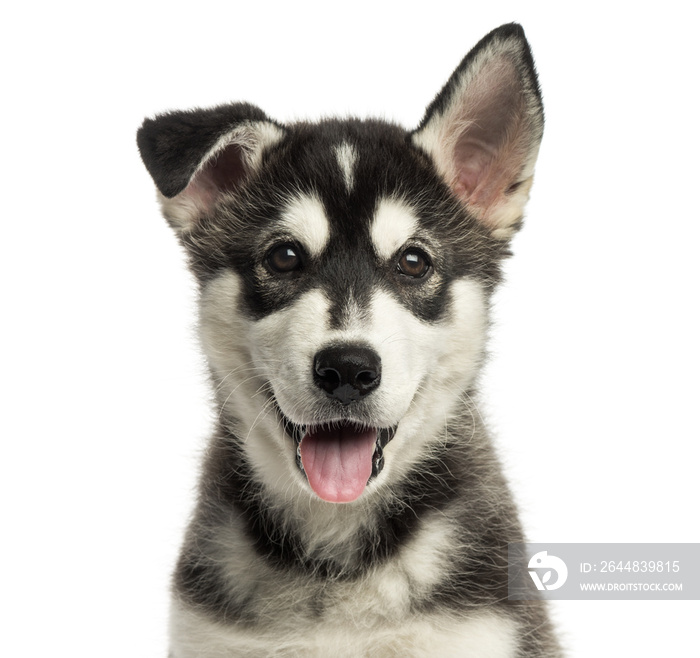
{"x": 483, "y": 130}
{"x": 197, "y": 156}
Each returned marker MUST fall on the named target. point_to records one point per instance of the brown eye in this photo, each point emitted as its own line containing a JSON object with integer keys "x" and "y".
{"x": 284, "y": 258}
{"x": 414, "y": 263}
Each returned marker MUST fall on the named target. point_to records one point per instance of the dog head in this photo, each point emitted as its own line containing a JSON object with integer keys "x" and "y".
{"x": 345, "y": 266}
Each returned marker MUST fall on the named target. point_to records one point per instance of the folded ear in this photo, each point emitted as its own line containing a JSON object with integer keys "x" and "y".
{"x": 197, "y": 156}
{"x": 483, "y": 130}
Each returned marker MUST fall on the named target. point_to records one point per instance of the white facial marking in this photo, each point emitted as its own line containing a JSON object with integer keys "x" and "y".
{"x": 218, "y": 326}
{"x": 431, "y": 365}
{"x": 284, "y": 344}
{"x": 305, "y": 218}
{"x": 394, "y": 223}
{"x": 347, "y": 158}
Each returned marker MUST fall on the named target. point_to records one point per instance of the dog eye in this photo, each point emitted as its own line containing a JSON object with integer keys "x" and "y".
{"x": 414, "y": 263}
{"x": 284, "y": 258}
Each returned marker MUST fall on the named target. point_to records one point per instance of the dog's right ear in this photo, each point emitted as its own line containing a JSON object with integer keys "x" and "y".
{"x": 197, "y": 156}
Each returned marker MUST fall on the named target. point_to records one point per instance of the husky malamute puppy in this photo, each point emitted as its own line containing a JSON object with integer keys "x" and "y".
{"x": 351, "y": 503}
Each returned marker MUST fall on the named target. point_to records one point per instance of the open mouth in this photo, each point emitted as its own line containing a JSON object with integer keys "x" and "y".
{"x": 339, "y": 458}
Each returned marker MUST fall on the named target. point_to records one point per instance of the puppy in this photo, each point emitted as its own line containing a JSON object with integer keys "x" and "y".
{"x": 351, "y": 503}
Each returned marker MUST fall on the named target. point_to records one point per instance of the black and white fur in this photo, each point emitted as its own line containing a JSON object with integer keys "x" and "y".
{"x": 345, "y": 270}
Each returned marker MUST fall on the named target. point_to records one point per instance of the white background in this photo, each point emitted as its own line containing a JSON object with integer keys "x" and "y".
{"x": 593, "y": 387}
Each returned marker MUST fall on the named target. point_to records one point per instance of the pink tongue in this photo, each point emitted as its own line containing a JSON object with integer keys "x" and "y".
{"x": 338, "y": 462}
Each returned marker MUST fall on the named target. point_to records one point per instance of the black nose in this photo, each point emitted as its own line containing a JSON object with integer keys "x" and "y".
{"x": 347, "y": 373}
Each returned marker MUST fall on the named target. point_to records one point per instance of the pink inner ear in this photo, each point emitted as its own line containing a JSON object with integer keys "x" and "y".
{"x": 472, "y": 163}
{"x": 223, "y": 173}
{"x": 484, "y": 176}
{"x": 490, "y": 144}
{"x": 226, "y": 170}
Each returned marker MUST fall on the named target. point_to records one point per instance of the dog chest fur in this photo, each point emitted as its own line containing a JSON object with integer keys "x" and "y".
{"x": 482, "y": 636}
{"x": 377, "y": 614}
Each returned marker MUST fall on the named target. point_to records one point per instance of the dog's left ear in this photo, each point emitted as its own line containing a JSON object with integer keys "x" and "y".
{"x": 483, "y": 130}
